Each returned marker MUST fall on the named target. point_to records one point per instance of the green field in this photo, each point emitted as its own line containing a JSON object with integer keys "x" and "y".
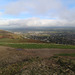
{"x": 66, "y": 54}
{"x": 38, "y": 46}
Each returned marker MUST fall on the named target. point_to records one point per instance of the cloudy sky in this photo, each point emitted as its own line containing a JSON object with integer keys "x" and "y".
{"x": 28, "y": 13}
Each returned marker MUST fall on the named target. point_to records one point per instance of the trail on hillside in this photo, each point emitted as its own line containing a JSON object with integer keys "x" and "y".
{"x": 8, "y": 51}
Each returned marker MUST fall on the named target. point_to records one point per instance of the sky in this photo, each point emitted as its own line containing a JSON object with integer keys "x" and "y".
{"x": 37, "y": 13}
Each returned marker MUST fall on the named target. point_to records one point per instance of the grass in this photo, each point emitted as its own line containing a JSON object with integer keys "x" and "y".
{"x": 5, "y": 40}
{"x": 65, "y": 54}
{"x": 33, "y": 62}
{"x": 29, "y": 62}
{"x": 9, "y": 40}
{"x": 20, "y": 43}
{"x": 39, "y": 67}
{"x": 38, "y": 46}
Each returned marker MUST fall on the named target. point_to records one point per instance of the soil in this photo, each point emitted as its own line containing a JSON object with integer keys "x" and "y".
{"x": 34, "y": 52}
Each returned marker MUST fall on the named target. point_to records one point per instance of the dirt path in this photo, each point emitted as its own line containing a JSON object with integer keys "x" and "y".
{"x": 48, "y": 52}
{"x": 4, "y": 51}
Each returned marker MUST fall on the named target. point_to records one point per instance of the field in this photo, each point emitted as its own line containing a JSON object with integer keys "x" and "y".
{"x": 8, "y": 40}
{"x": 20, "y": 56}
{"x": 38, "y": 46}
{"x": 66, "y": 54}
{"x": 15, "y": 61}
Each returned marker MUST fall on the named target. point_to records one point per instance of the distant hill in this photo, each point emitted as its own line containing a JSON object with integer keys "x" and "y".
{"x": 9, "y": 37}
{"x": 6, "y": 34}
{"x": 25, "y": 30}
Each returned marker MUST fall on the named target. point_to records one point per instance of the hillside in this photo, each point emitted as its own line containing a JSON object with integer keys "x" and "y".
{"x": 21, "y": 56}
{"x": 36, "y": 61}
{"x": 6, "y": 34}
{"x": 9, "y": 37}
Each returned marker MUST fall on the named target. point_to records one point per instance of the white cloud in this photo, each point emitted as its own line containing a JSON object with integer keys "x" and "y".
{"x": 47, "y": 8}
{"x": 1, "y": 13}
{"x": 35, "y": 22}
{"x": 50, "y": 8}
{"x": 32, "y": 6}
{"x": 4, "y": 22}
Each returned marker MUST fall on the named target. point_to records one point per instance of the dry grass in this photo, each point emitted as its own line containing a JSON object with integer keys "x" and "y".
{"x": 33, "y": 61}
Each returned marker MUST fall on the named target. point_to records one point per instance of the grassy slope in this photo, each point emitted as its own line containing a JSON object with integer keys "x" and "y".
{"x": 18, "y": 42}
{"x": 8, "y": 37}
{"x": 37, "y": 66}
{"x": 25, "y": 62}
{"x": 38, "y": 46}
{"x": 66, "y": 54}
{"x": 8, "y": 40}
{"x": 13, "y": 62}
